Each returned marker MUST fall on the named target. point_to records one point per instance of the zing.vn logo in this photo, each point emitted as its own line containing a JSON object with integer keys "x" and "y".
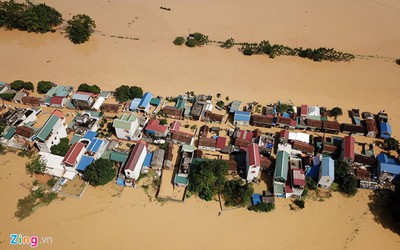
{"x": 32, "y": 241}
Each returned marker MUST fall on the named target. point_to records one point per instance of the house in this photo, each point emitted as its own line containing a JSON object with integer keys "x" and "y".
{"x": 328, "y": 148}
{"x": 385, "y": 130}
{"x": 31, "y": 100}
{"x": 144, "y": 104}
{"x": 135, "y": 104}
{"x": 72, "y": 158}
{"x": 20, "y": 116}
{"x": 58, "y": 101}
{"x": 348, "y": 128}
{"x": 18, "y": 97}
{"x": 203, "y": 131}
{"x": 331, "y": 127}
{"x": 326, "y": 172}
{"x": 303, "y": 110}
{"x": 4, "y": 87}
{"x": 96, "y": 147}
{"x": 235, "y": 106}
{"x": 110, "y": 107}
{"x": 154, "y": 128}
{"x": 175, "y": 126}
{"x": 52, "y": 131}
{"x": 212, "y": 117}
{"x": 241, "y": 118}
{"x": 183, "y": 138}
{"x": 84, "y": 163}
{"x": 158, "y": 159}
{"x": 197, "y": 110}
{"x": 364, "y": 160}
{"x": 83, "y": 100}
{"x": 25, "y": 131}
{"x": 388, "y": 165}
{"x": 314, "y": 125}
{"x": 181, "y": 102}
{"x": 207, "y": 144}
{"x": 97, "y": 104}
{"x": 298, "y": 182}
{"x": 281, "y": 173}
{"x": 285, "y": 122}
{"x": 253, "y": 163}
{"x": 372, "y": 130}
{"x": 263, "y": 121}
{"x": 135, "y": 162}
{"x": 60, "y": 90}
{"x": 221, "y": 143}
{"x": 169, "y": 156}
{"x": 314, "y": 111}
{"x": 284, "y": 136}
{"x": 172, "y": 112}
{"x": 348, "y": 149}
{"x": 85, "y": 121}
{"x": 126, "y": 126}
{"x": 54, "y": 165}
{"x": 303, "y": 147}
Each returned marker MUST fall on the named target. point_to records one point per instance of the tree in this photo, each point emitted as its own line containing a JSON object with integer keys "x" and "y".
{"x": 99, "y": 172}
{"x": 200, "y": 38}
{"x": 191, "y": 43}
{"x": 237, "y": 193}
{"x": 397, "y": 61}
{"x": 2, "y": 127}
{"x": 19, "y": 84}
{"x": 228, "y": 43}
{"x": 335, "y": 112}
{"x": 346, "y": 182}
{"x": 7, "y": 96}
{"x": 390, "y": 144}
{"x": 79, "y": 28}
{"x": 227, "y": 98}
{"x": 163, "y": 121}
{"x": 135, "y": 92}
{"x": 44, "y": 86}
{"x": 35, "y": 166}
{"x": 218, "y": 95}
{"x": 262, "y": 207}
{"x": 62, "y": 148}
{"x": 123, "y": 93}
{"x": 311, "y": 184}
{"x": 84, "y": 87}
{"x": 179, "y": 40}
{"x": 207, "y": 178}
{"x": 220, "y": 104}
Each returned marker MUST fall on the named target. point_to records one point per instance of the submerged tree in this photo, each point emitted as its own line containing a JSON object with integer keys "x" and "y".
{"x": 80, "y": 27}
{"x": 99, "y": 172}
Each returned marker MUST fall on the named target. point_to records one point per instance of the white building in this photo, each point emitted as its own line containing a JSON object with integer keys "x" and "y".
{"x": 134, "y": 163}
{"x": 326, "y": 172}
{"x": 126, "y": 126}
{"x": 52, "y": 131}
{"x": 253, "y": 162}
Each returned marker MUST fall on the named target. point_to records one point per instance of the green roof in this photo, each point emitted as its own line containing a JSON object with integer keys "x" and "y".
{"x": 181, "y": 180}
{"x": 188, "y": 148}
{"x": 59, "y": 90}
{"x": 180, "y": 103}
{"x": 282, "y": 165}
{"x": 314, "y": 117}
{"x": 125, "y": 121}
{"x": 278, "y": 189}
{"x": 155, "y": 101}
{"x": 118, "y": 156}
{"x": 75, "y": 138}
{"x": 10, "y": 133}
{"x": 106, "y": 154}
{"x": 45, "y": 131}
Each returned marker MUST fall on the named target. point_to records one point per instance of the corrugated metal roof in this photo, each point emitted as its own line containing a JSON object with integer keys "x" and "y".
{"x": 125, "y": 121}
{"x": 135, "y": 103}
{"x": 45, "y": 131}
{"x": 73, "y": 153}
{"x": 282, "y": 165}
{"x": 235, "y": 106}
{"x": 10, "y": 133}
{"x": 81, "y": 96}
{"x": 147, "y": 160}
{"x": 328, "y": 167}
{"x": 118, "y": 157}
{"x": 180, "y": 103}
{"x": 84, "y": 162}
{"x": 145, "y": 100}
{"x": 90, "y": 135}
{"x": 95, "y": 145}
{"x": 242, "y": 116}
{"x": 155, "y": 101}
{"x": 75, "y": 138}
{"x": 253, "y": 155}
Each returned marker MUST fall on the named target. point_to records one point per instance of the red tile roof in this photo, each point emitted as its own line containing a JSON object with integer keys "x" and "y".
{"x": 245, "y": 135}
{"x": 73, "y": 153}
{"x": 303, "y": 110}
{"x": 56, "y": 100}
{"x": 175, "y": 126}
{"x": 25, "y": 131}
{"x": 253, "y": 155}
{"x": 303, "y": 147}
{"x": 135, "y": 155}
{"x": 207, "y": 142}
{"x": 299, "y": 178}
{"x": 331, "y": 125}
{"x": 171, "y": 112}
{"x": 58, "y": 113}
{"x": 221, "y": 142}
{"x": 155, "y": 125}
{"x": 349, "y": 147}
{"x": 284, "y": 133}
{"x": 182, "y": 137}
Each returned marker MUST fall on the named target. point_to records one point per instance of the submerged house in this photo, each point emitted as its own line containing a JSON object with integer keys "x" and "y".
{"x": 281, "y": 173}
{"x": 144, "y": 104}
{"x": 135, "y": 162}
{"x": 348, "y": 153}
{"x": 253, "y": 162}
{"x": 154, "y": 128}
{"x": 331, "y": 127}
{"x": 326, "y": 172}
{"x": 263, "y": 121}
{"x": 172, "y": 112}
{"x": 242, "y": 118}
{"x": 83, "y": 100}
{"x": 52, "y": 131}
{"x": 385, "y": 130}
{"x": 372, "y": 130}
{"x": 388, "y": 165}
{"x": 72, "y": 158}
{"x": 126, "y": 126}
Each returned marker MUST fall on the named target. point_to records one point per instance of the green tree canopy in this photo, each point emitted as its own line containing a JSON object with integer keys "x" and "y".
{"x": 79, "y": 28}
{"x": 124, "y": 93}
{"x": 262, "y": 207}
{"x": 179, "y": 40}
{"x": 237, "y": 193}
{"x": 35, "y": 166}
{"x": 84, "y": 87}
{"x": 346, "y": 182}
{"x": 19, "y": 84}
{"x": 207, "y": 178}
{"x": 62, "y": 148}
{"x": 44, "y": 86}
{"x": 99, "y": 172}
{"x": 390, "y": 144}
{"x": 336, "y": 111}
{"x": 7, "y": 96}
{"x": 191, "y": 43}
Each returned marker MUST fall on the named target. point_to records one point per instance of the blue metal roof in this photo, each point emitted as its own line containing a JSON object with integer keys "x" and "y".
{"x": 147, "y": 160}
{"x": 256, "y": 198}
{"x": 90, "y": 135}
{"x": 242, "y": 116}
{"x": 135, "y": 103}
{"x": 84, "y": 162}
{"x": 81, "y": 97}
{"x": 386, "y": 129}
{"x": 328, "y": 167}
{"x": 388, "y": 165}
{"x": 145, "y": 102}
{"x": 286, "y": 115}
{"x": 95, "y": 145}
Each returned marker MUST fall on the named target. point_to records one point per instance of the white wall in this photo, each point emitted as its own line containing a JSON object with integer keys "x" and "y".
{"x": 136, "y": 171}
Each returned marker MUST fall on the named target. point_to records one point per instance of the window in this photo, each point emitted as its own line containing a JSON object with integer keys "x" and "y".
{"x": 253, "y": 172}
